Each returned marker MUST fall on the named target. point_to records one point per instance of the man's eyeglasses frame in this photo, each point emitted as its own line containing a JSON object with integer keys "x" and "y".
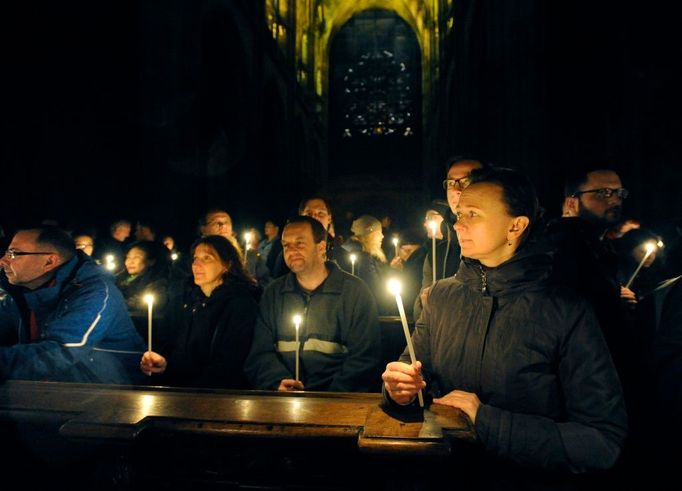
{"x": 12, "y": 254}
{"x": 604, "y": 193}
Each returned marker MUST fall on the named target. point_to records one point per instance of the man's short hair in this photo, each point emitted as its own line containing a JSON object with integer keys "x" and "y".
{"x": 56, "y": 238}
{"x": 119, "y": 223}
{"x": 455, "y": 159}
{"x": 321, "y": 197}
{"x": 319, "y": 233}
{"x": 579, "y": 176}
{"x": 204, "y": 217}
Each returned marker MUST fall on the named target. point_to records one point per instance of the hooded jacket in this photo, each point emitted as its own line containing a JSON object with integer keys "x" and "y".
{"x": 85, "y": 332}
{"x": 535, "y": 357}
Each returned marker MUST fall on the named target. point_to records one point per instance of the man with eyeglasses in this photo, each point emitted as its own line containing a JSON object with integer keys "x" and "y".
{"x": 593, "y": 203}
{"x": 61, "y": 316}
{"x": 457, "y": 171}
{"x": 585, "y": 262}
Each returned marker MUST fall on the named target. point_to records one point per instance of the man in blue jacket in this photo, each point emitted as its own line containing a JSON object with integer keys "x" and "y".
{"x": 61, "y": 316}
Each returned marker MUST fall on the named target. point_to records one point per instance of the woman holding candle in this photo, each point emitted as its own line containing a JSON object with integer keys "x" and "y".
{"x": 146, "y": 272}
{"x": 527, "y": 363}
{"x": 213, "y": 319}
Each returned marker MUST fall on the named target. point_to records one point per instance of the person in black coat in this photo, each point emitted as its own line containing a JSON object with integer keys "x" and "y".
{"x": 525, "y": 361}
{"x": 213, "y": 322}
{"x": 146, "y": 272}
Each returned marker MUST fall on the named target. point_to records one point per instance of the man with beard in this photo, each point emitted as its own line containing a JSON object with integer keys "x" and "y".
{"x": 586, "y": 262}
{"x": 583, "y": 260}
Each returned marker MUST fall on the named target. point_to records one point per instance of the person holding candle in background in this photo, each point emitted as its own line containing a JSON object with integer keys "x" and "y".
{"x": 146, "y": 271}
{"x": 110, "y": 249}
{"x": 370, "y": 263}
{"x": 526, "y": 362}
{"x": 254, "y": 260}
{"x": 447, "y": 252}
{"x": 213, "y": 322}
{"x": 409, "y": 264}
{"x": 339, "y": 339}
{"x": 641, "y": 269}
{"x": 585, "y": 261}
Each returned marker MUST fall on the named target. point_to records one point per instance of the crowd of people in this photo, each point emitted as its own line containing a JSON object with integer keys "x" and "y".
{"x": 545, "y": 333}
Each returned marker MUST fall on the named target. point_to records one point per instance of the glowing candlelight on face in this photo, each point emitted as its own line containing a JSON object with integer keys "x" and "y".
{"x": 297, "y": 325}
{"x": 433, "y": 225}
{"x": 353, "y": 258}
{"x": 247, "y": 238}
{"x": 395, "y": 244}
{"x": 394, "y": 287}
{"x": 650, "y": 247}
{"x": 149, "y": 299}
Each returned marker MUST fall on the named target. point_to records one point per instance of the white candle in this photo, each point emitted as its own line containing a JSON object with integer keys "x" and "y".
{"x": 394, "y": 288}
{"x": 297, "y": 324}
{"x": 353, "y": 258}
{"x": 650, "y": 247}
{"x": 109, "y": 262}
{"x": 247, "y": 240}
{"x": 433, "y": 225}
{"x": 395, "y": 244}
{"x": 149, "y": 298}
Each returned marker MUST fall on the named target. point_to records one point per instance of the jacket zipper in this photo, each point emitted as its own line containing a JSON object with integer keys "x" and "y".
{"x": 484, "y": 281}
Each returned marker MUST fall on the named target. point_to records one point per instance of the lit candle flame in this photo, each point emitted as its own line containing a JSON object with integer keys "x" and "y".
{"x": 433, "y": 226}
{"x": 649, "y": 247}
{"x": 109, "y": 262}
{"x": 394, "y": 286}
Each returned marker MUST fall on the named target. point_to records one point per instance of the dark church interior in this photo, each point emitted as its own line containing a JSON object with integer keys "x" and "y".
{"x": 162, "y": 109}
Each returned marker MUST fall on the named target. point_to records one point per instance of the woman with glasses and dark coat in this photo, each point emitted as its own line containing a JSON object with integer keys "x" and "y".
{"x": 213, "y": 320}
{"x": 526, "y": 362}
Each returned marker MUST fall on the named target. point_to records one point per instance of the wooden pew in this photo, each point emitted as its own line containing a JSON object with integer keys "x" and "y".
{"x": 143, "y": 436}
